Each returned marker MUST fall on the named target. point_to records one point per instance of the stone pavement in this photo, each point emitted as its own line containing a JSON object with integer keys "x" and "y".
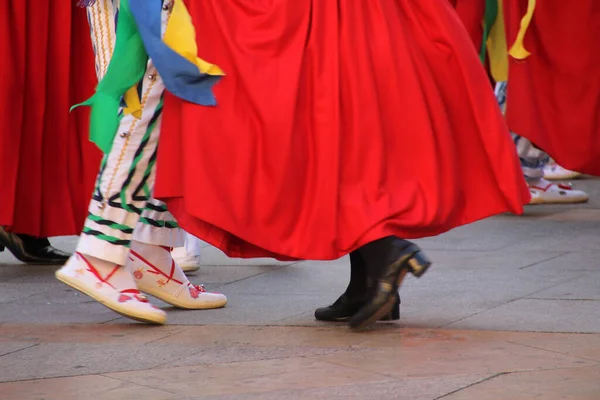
{"x": 510, "y": 310}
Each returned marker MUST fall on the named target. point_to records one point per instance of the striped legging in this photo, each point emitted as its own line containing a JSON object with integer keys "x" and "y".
{"x": 122, "y": 207}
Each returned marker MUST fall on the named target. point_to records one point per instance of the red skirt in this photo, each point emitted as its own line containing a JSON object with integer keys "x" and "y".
{"x": 471, "y": 13}
{"x": 336, "y": 125}
{"x": 554, "y": 94}
{"x": 47, "y": 164}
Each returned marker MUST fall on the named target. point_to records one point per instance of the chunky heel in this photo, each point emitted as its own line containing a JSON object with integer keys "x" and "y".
{"x": 405, "y": 258}
{"x": 418, "y": 264}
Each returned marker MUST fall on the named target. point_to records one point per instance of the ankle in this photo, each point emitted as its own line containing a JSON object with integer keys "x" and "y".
{"x": 113, "y": 274}
{"x": 155, "y": 258}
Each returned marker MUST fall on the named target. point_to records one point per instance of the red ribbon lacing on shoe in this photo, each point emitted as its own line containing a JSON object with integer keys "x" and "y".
{"x": 564, "y": 186}
{"x": 96, "y": 273}
{"x": 157, "y": 271}
{"x": 135, "y": 292}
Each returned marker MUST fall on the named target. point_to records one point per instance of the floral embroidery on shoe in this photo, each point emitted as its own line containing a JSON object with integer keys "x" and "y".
{"x": 161, "y": 282}
{"x": 124, "y": 298}
{"x": 195, "y": 290}
{"x": 138, "y": 273}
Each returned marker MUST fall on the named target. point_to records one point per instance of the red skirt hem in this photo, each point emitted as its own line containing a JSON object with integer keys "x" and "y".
{"x": 335, "y": 125}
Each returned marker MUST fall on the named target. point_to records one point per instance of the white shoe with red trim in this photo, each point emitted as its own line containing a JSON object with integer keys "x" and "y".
{"x": 109, "y": 285}
{"x": 555, "y": 172}
{"x": 552, "y": 193}
{"x": 157, "y": 274}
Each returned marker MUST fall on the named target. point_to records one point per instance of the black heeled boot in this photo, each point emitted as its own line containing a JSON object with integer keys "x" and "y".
{"x": 388, "y": 260}
{"x": 31, "y": 250}
{"x": 355, "y": 296}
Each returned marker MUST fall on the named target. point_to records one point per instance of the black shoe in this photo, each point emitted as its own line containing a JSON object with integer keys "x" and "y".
{"x": 398, "y": 257}
{"x": 31, "y": 250}
{"x": 345, "y": 307}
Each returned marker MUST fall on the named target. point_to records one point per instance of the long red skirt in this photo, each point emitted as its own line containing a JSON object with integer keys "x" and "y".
{"x": 554, "y": 94}
{"x": 47, "y": 165}
{"x": 336, "y": 125}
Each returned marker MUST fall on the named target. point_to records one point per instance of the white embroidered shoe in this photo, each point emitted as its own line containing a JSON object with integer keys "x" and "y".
{"x": 157, "y": 274}
{"x": 553, "y": 193}
{"x": 101, "y": 285}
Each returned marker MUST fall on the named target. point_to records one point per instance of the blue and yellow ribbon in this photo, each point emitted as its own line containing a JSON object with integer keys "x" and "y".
{"x": 175, "y": 57}
{"x": 138, "y": 38}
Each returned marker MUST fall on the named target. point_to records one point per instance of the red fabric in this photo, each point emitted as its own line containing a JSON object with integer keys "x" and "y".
{"x": 336, "y": 125}
{"x": 47, "y": 165}
{"x": 554, "y": 95}
{"x": 471, "y": 13}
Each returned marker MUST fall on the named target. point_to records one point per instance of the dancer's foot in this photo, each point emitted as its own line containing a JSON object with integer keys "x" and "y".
{"x": 554, "y": 172}
{"x": 545, "y": 192}
{"x": 157, "y": 274}
{"x": 355, "y": 296}
{"x": 390, "y": 259}
{"x": 345, "y": 307}
{"x": 31, "y": 250}
{"x": 110, "y": 285}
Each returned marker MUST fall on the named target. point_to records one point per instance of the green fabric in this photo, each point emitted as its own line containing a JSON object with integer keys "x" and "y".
{"x": 110, "y": 224}
{"x": 137, "y": 159}
{"x": 126, "y": 69}
{"x": 107, "y": 238}
{"x": 491, "y": 12}
{"x": 159, "y": 223}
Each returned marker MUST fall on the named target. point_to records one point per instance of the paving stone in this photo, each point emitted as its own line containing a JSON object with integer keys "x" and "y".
{"x": 403, "y": 389}
{"x": 223, "y": 274}
{"x": 213, "y": 256}
{"x": 244, "y": 309}
{"x": 435, "y": 358}
{"x": 250, "y": 377}
{"x": 477, "y": 326}
{"x": 81, "y": 387}
{"x": 538, "y": 315}
{"x": 301, "y": 279}
{"x": 48, "y": 360}
{"x": 10, "y": 292}
{"x": 585, "y": 346}
{"x": 12, "y": 347}
{"x": 90, "y": 333}
{"x": 560, "y": 384}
